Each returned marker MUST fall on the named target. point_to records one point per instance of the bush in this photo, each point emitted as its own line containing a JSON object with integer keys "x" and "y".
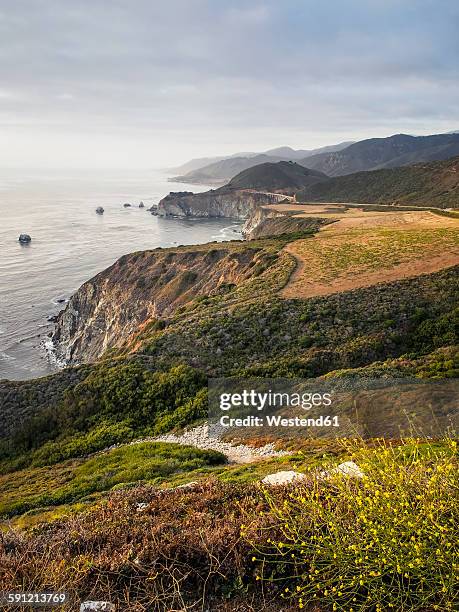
{"x": 388, "y": 541}
{"x": 112, "y": 404}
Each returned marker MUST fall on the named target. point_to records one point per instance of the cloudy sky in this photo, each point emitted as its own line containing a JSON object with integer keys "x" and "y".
{"x": 140, "y": 83}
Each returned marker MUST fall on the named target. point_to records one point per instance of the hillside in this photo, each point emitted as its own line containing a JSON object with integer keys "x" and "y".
{"x": 229, "y": 203}
{"x": 95, "y": 504}
{"x": 375, "y": 153}
{"x": 238, "y": 199}
{"x": 220, "y": 170}
{"x": 284, "y": 177}
{"x": 426, "y": 184}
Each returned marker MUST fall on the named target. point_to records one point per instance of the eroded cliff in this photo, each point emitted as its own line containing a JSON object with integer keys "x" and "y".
{"x": 236, "y": 204}
{"x": 145, "y": 286}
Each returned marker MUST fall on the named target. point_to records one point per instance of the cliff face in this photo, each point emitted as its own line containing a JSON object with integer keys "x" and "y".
{"x": 236, "y": 204}
{"x": 267, "y": 221}
{"x": 141, "y": 287}
{"x": 256, "y": 217}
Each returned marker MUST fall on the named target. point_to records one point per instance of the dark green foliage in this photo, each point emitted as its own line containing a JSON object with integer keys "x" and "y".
{"x": 437, "y": 332}
{"x": 275, "y": 337}
{"x": 428, "y": 184}
{"x": 114, "y": 402}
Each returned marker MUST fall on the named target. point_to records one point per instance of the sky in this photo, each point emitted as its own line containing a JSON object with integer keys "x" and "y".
{"x": 152, "y": 83}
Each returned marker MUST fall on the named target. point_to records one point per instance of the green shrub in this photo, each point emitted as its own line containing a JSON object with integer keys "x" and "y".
{"x": 112, "y": 404}
{"x": 387, "y": 541}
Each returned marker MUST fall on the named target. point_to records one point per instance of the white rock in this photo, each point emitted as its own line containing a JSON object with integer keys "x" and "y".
{"x": 280, "y": 478}
{"x": 348, "y": 468}
{"x": 188, "y": 485}
{"x": 141, "y": 506}
{"x": 86, "y": 606}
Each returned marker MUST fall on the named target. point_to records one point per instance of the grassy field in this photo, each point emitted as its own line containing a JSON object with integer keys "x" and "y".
{"x": 72, "y": 481}
{"x": 333, "y": 256}
{"x": 361, "y": 251}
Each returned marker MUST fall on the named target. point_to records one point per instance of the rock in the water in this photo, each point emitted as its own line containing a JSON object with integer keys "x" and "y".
{"x": 126, "y": 205}
{"x": 348, "y": 469}
{"x": 25, "y": 238}
{"x": 100, "y": 210}
{"x": 281, "y": 478}
{"x": 141, "y": 205}
{"x": 86, "y": 606}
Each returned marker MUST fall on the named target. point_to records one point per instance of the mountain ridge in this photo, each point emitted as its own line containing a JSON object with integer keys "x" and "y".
{"x": 221, "y": 169}
{"x": 433, "y": 184}
{"x": 393, "y": 151}
{"x": 280, "y": 177}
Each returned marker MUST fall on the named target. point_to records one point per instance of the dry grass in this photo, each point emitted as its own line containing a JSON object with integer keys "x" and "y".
{"x": 363, "y": 249}
{"x": 203, "y": 548}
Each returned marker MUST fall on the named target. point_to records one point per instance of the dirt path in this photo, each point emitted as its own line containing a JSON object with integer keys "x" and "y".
{"x": 200, "y": 437}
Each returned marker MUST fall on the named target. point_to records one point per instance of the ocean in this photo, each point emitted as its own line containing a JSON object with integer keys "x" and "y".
{"x": 71, "y": 243}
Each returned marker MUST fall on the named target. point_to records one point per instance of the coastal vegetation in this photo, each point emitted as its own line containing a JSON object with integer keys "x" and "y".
{"x": 387, "y": 541}
{"x": 430, "y": 184}
{"x": 93, "y": 505}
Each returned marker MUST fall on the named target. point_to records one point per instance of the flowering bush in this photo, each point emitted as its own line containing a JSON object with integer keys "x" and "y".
{"x": 386, "y": 541}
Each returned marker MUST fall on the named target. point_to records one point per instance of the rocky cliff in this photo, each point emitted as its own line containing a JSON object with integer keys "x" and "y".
{"x": 142, "y": 287}
{"x": 267, "y": 221}
{"x": 236, "y": 204}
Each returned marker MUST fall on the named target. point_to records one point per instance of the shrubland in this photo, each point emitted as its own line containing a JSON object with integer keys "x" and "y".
{"x": 386, "y": 541}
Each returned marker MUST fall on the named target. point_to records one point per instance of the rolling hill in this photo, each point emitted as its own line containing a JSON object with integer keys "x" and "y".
{"x": 285, "y": 177}
{"x": 424, "y": 184}
{"x": 221, "y": 171}
{"x": 376, "y": 153}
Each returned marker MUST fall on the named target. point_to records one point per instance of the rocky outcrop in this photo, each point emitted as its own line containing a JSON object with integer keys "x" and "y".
{"x": 267, "y": 221}
{"x": 283, "y": 478}
{"x": 258, "y": 216}
{"x": 236, "y": 204}
{"x": 141, "y": 288}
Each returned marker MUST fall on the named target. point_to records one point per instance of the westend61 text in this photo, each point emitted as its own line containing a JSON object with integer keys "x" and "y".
{"x": 278, "y": 421}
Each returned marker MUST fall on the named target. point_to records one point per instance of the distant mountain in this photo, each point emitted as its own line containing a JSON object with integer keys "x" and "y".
{"x": 219, "y": 170}
{"x": 424, "y": 184}
{"x": 194, "y": 164}
{"x": 281, "y": 177}
{"x": 292, "y": 154}
{"x": 375, "y": 153}
{"x": 200, "y": 162}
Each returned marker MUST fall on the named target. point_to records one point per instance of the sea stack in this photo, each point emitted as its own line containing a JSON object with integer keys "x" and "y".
{"x": 100, "y": 210}
{"x": 25, "y": 239}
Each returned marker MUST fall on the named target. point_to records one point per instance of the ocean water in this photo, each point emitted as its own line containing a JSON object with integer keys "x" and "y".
{"x": 71, "y": 243}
